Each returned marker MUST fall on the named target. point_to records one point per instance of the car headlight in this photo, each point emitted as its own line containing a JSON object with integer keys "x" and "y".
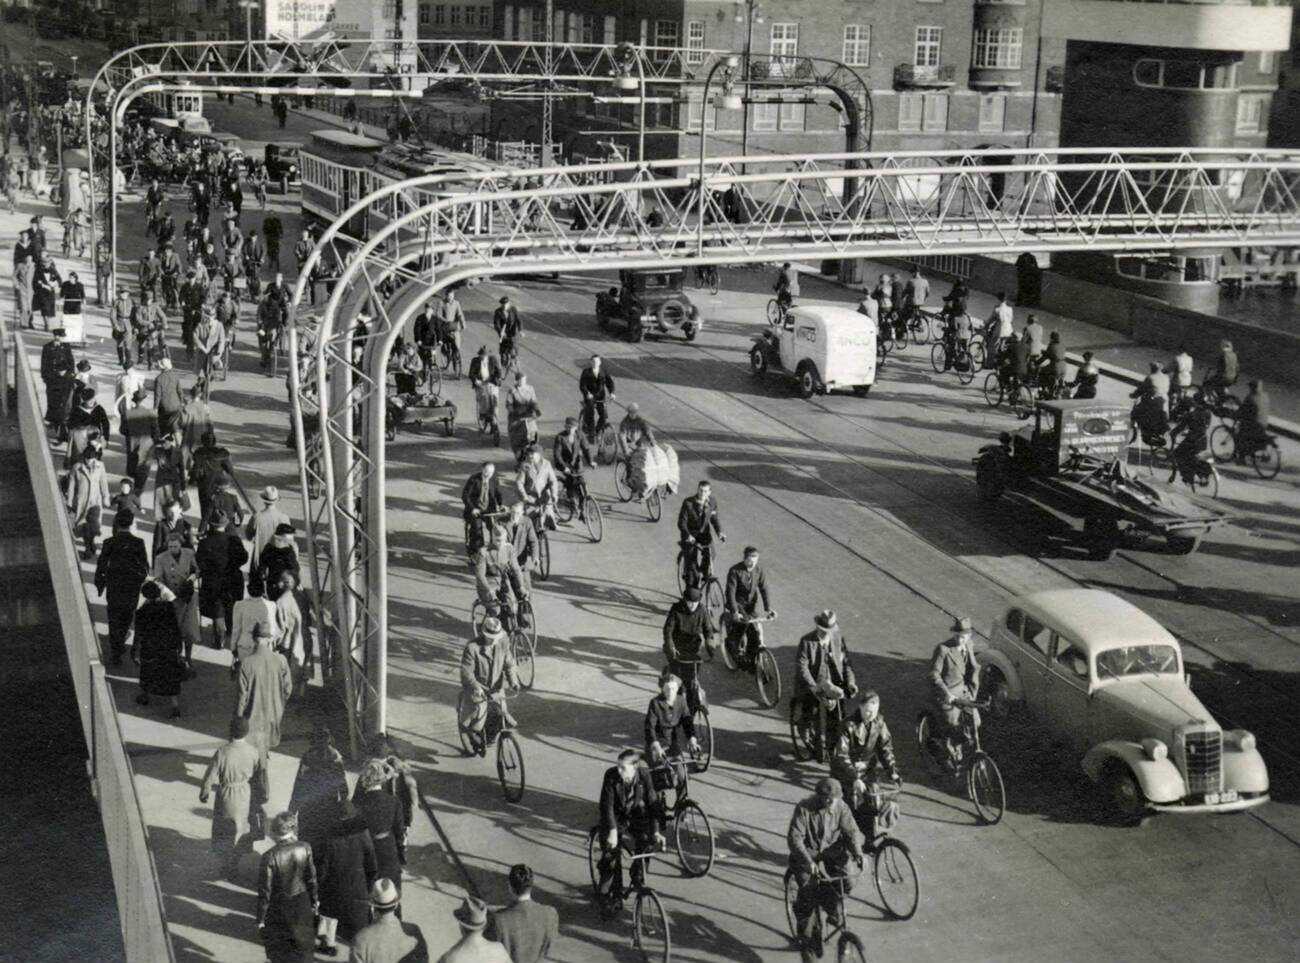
{"x": 1155, "y": 750}
{"x": 1240, "y": 739}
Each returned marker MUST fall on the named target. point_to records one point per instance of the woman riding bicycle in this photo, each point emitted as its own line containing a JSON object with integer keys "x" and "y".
{"x": 669, "y": 734}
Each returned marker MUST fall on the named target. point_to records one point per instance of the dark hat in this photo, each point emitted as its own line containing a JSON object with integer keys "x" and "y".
{"x": 692, "y": 594}
{"x": 504, "y": 299}
{"x": 962, "y": 624}
{"x": 83, "y": 365}
{"x": 260, "y": 631}
{"x": 58, "y": 332}
{"x": 825, "y": 619}
{"x": 220, "y": 479}
{"x": 284, "y": 528}
{"x": 218, "y": 520}
{"x": 570, "y": 422}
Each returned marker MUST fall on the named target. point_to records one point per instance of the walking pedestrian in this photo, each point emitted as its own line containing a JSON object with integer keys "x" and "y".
{"x": 265, "y": 522}
{"x": 387, "y": 939}
{"x": 263, "y": 687}
{"x": 318, "y": 788}
{"x": 58, "y": 371}
{"x": 220, "y": 556}
{"x": 383, "y": 816}
{"x": 288, "y": 896}
{"x": 473, "y": 947}
{"x": 157, "y": 649}
{"x": 195, "y": 423}
{"x": 279, "y": 557}
{"x": 87, "y": 495}
{"x": 173, "y": 521}
{"x": 237, "y": 776}
{"x": 24, "y": 289}
{"x": 123, "y": 567}
{"x": 210, "y": 460}
{"x": 525, "y": 928}
{"x": 347, "y": 871}
{"x": 246, "y": 615}
{"x": 169, "y": 477}
{"x": 168, "y": 397}
{"x": 292, "y": 641}
{"x": 177, "y": 570}
{"x": 120, "y": 317}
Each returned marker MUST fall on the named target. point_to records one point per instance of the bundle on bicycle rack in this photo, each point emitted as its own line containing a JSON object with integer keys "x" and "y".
{"x": 674, "y": 479}
{"x": 650, "y": 468}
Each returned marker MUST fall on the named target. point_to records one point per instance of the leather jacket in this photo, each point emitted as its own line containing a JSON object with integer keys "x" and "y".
{"x": 287, "y": 870}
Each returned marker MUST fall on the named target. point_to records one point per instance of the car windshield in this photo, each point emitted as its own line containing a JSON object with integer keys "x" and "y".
{"x": 1136, "y": 660}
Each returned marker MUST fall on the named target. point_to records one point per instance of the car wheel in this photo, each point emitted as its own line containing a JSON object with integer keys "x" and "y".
{"x": 635, "y": 331}
{"x": 994, "y": 687}
{"x": 689, "y": 330}
{"x": 1123, "y": 795}
{"x": 808, "y": 383}
{"x": 862, "y": 390}
{"x": 757, "y": 359}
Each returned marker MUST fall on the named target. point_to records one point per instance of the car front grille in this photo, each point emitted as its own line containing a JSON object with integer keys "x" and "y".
{"x": 672, "y": 313}
{"x": 1203, "y": 750}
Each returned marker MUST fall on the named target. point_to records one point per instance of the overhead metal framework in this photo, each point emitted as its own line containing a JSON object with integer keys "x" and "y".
{"x": 781, "y": 208}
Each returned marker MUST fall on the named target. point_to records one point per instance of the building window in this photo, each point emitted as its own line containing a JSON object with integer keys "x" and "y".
{"x": 793, "y": 116}
{"x": 936, "y": 112}
{"x": 611, "y": 30}
{"x": 765, "y": 116}
{"x": 911, "y": 107}
{"x": 1252, "y": 113}
{"x": 424, "y": 13}
{"x": 1184, "y": 74}
{"x": 439, "y": 15}
{"x": 928, "y": 41}
{"x": 589, "y": 28}
{"x": 998, "y": 48}
{"x": 538, "y": 31}
{"x": 455, "y": 15}
{"x": 695, "y": 42}
{"x": 857, "y": 45}
{"x": 785, "y": 40}
{"x": 993, "y": 112}
{"x": 695, "y": 112}
{"x": 1267, "y": 61}
{"x": 668, "y": 33}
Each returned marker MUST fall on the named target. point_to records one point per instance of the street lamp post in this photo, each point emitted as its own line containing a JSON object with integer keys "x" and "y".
{"x": 751, "y": 13}
{"x": 248, "y": 6}
{"x": 730, "y": 100}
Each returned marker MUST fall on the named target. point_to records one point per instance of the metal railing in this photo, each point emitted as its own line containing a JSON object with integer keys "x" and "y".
{"x": 135, "y": 878}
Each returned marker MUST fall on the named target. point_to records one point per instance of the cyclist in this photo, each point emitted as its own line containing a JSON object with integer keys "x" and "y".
{"x": 149, "y": 273}
{"x": 1224, "y": 373}
{"x": 1000, "y": 325}
{"x": 1013, "y": 364}
{"x": 1180, "y": 376}
{"x": 153, "y": 201}
{"x": 269, "y": 320}
{"x": 786, "y": 286}
{"x": 487, "y": 666}
{"x": 425, "y": 336}
{"x": 497, "y": 576}
{"x": 480, "y": 496}
{"x": 1150, "y": 415}
{"x": 228, "y": 316}
{"x": 697, "y": 524}
{"x": 570, "y": 455}
{"x": 883, "y": 295}
{"x": 1086, "y": 378}
{"x": 1191, "y": 440}
{"x": 522, "y": 413}
{"x": 170, "y": 275}
{"x": 823, "y": 674}
{"x": 956, "y": 337}
{"x": 523, "y": 538}
{"x": 150, "y": 325}
{"x": 596, "y": 387}
{"x": 629, "y": 819}
{"x": 822, "y": 838}
{"x": 483, "y": 367}
{"x": 954, "y": 674}
{"x": 669, "y": 732}
{"x": 689, "y": 635}
{"x": 915, "y": 292}
{"x": 1252, "y": 421}
{"x": 1053, "y": 370}
{"x": 746, "y": 588}
{"x": 451, "y": 322}
{"x": 537, "y": 487}
{"x": 1033, "y": 337}
{"x": 865, "y": 745}
{"x": 955, "y": 301}
{"x": 209, "y": 347}
{"x": 506, "y": 323}
{"x": 254, "y": 252}
{"x": 633, "y": 430}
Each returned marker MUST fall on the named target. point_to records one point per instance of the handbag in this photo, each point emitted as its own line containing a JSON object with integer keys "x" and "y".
{"x": 326, "y": 932}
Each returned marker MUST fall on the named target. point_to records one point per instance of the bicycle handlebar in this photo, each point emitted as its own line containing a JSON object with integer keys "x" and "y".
{"x": 970, "y": 703}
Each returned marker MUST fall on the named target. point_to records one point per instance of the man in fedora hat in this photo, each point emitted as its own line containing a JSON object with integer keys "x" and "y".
{"x": 954, "y": 674}
{"x": 526, "y": 928}
{"x": 387, "y": 939}
{"x": 261, "y": 527}
{"x": 823, "y": 673}
{"x": 473, "y": 947}
{"x": 487, "y": 665}
{"x": 264, "y": 685}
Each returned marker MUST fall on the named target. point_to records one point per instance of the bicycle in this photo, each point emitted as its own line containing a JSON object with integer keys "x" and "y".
{"x": 957, "y": 358}
{"x": 925, "y": 326}
{"x": 777, "y": 310}
{"x": 691, "y": 831}
{"x": 489, "y": 419}
{"x": 1019, "y": 397}
{"x": 813, "y": 737}
{"x": 509, "y": 757}
{"x": 543, "y": 545}
{"x": 653, "y": 498}
{"x": 893, "y": 870}
{"x": 650, "y": 932}
{"x": 1266, "y": 458}
{"x": 698, "y": 702}
{"x": 520, "y": 625}
{"x": 849, "y": 947}
{"x": 600, "y": 434}
{"x": 972, "y": 765}
{"x": 588, "y": 509}
{"x": 701, "y": 571}
{"x": 767, "y": 675}
{"x": 706, "y": 276}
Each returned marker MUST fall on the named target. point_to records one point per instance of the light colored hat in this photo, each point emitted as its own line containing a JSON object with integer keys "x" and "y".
{"x": 269, "y": 494}
{"x": 492, "y": 626}
{"x": 471, "y": 914}
{"x": 384, "y": 894}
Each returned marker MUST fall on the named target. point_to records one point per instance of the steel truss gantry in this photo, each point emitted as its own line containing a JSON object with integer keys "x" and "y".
{"x": 783, "y": 208}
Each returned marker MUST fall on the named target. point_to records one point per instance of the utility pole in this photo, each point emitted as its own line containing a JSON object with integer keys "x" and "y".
{"x": 548, "y": 119}
{"x": 744, "y": 66}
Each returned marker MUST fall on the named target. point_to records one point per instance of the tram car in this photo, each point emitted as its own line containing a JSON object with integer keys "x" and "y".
{"x": 335, "y": 168}
{"x": 405, "y": 161}
{"x": 177, "y": 109}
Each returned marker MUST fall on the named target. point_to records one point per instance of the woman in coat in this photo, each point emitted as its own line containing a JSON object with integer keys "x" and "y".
{"x": 319, "y": 787}
{"x": 178, "y": 571}
{"x": 87, "y": 495}
{"x": 157, "y": 649}
{"x": 347, "y": 867}
{"x": 237, "y": 773}
{"x": 383, "y": 815}
{"x": 73, "y": 293}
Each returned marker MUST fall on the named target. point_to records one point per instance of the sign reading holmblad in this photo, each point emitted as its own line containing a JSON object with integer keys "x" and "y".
{"x": 317, "y": 19}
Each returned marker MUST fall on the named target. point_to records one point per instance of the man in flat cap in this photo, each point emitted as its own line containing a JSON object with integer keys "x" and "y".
{"x": 822, "y": 837}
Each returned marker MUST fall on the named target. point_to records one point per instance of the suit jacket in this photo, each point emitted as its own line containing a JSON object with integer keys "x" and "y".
{"x": 699, "y": 521}
{"x": 390, "y": 940}
{"x": 597, "y": 386}
{"x": 167, "y": 392}
{"x": 475, "y": 494}
{"x": 954, "y": 673}
{"x": 123, "y": 567}
{"x": 817, "y": 665}
{"x": 631, "y": 805}
{"x": 526, "y": 929}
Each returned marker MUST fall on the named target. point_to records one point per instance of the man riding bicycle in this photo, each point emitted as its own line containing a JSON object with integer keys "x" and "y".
{"x": 823, "y": 674}
{"x": 487, "y": 666}
{"x": 1013, "y": 364}
{"x": 1191, "y": 441}
{"x": 746, "y": 589}
{"x": 570, "y": 455}
{"x": 633, "y": 430}
{"x": 954, "y": 674}
{"x": 822, "y": 838}
{"x": 270, "y": 319}
{"x": 697, "y": 524}
{"x": 523, "y": 538}
{"x": 538, "y": 487}
{"x": 498, "y": 578}
{"x": 481, "y": 496}
{"x": 689, "y": 635}
{"x": 629, "y": 819}
{"x": 669, "y": 732}
{"x": 506, "y": 323}
{"x": 596, "y": 387}
{"x": 1053, "y": 370}
{"x": 865, "y": 747}
{"x": 787, "y": 285}
{"x": 451, "y": 322}
{"x": 209, "y": 347}
{"x": 1252, "y": 421}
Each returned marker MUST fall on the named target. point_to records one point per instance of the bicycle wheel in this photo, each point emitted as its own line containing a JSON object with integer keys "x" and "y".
{"x": 510, "y": 767}
{"x": 919, "y": 328}
{"x": 1022, "y": 402}
{"x": 593, "y": 858}
{"x": 681, "y": 572}
{"x": 896, "y": 880}
{"x": 1267, "y": 460}
{"x": 650, "y": 927}
{"x": 1223, "y": 443}
{"x": 525, "y": 665}
{"x": 728, "y": 652}
{"x": 978, "y": 354}
{"x": 768, "y": 678}
{"x": 704, "y": 734}
{"x": 850, "y": 949}
{"x": 606, "y": 445}
{"x": 966, "y": 367}
{"x": 993, "y": 390}
{"x": 938, "y": 356}
{"x": 984, "y": 786}
{"x": 591, "y": 514}
{"x": 564, "y": 509}
{"x": 1207, "y": 482}
{"x": 790, "y": 886}
{"x": 713, "y": 598}
{"x": 773, "y": 311}
{"x": 693, "y": 837}
{"x": 528, "y": 621}
{"x": 623, "y": 479}
{"x": 801, "y": 736}
{"x": 654, "y": 505}
{"x": 543, "y": 556}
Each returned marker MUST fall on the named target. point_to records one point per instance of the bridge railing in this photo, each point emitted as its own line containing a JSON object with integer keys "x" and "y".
{"x": 135, "y": 878}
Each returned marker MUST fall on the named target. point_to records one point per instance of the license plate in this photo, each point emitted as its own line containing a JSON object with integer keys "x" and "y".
{"x": 1214, "y": 798}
